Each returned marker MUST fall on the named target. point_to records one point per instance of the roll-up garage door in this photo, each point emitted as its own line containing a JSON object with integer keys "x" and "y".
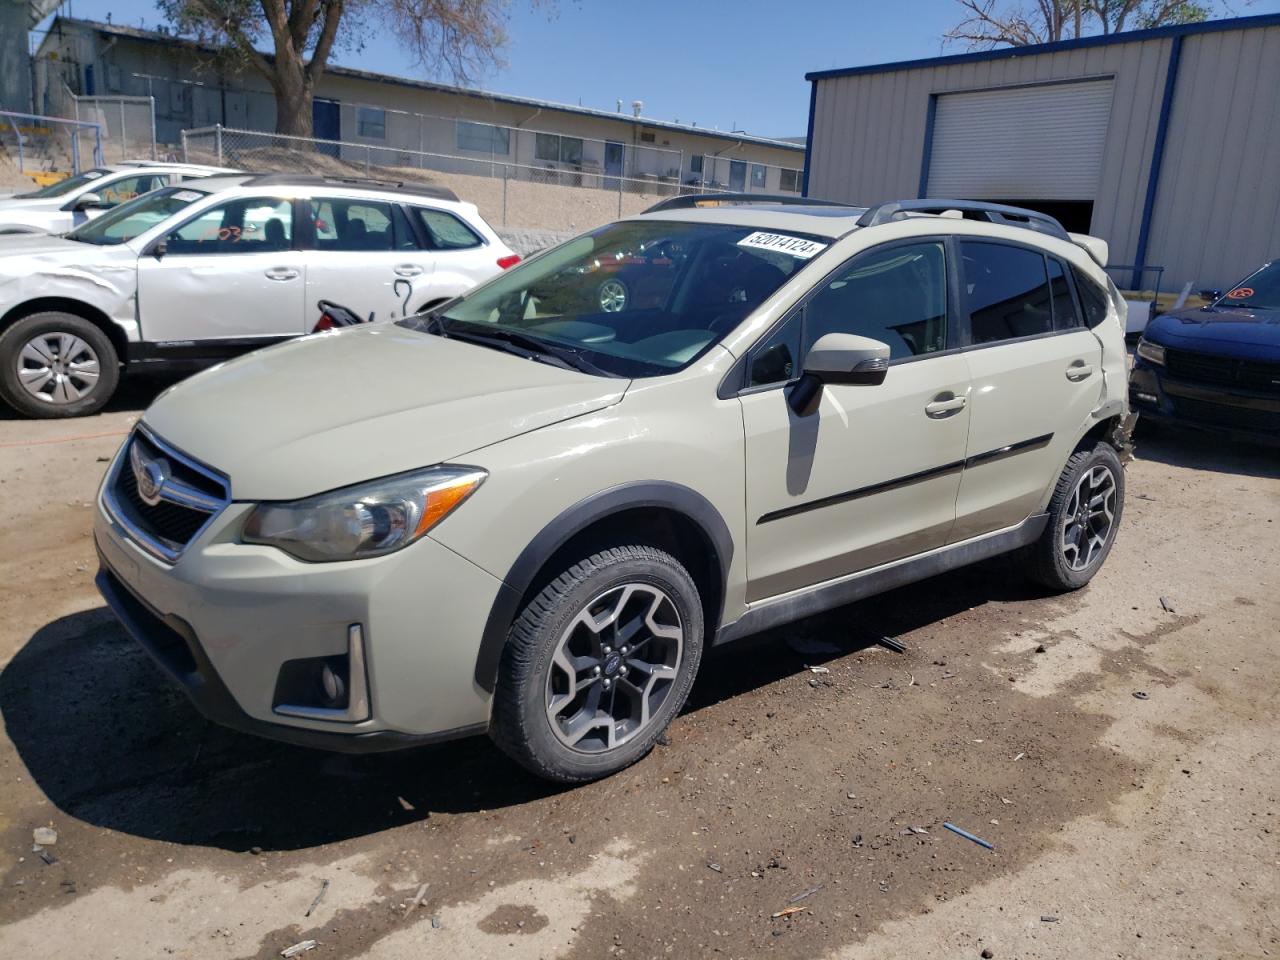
{"x": 1044, "y": 142}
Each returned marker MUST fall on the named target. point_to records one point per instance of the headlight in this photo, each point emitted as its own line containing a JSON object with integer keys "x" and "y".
{"x": 367, "y": 520}
{"x": 1152, "y": 352}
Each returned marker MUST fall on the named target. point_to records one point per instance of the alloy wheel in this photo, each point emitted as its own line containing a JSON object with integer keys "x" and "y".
{"x": 613, "y": 296}
{"x": 614, "y": 667}
{"x": 1089, "y": 519}
{"x": 58, "y": 368}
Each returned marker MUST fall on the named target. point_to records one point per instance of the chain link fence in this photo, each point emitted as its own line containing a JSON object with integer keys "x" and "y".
{"x": 543, "y": 195}
{"x": 128, "y": 124}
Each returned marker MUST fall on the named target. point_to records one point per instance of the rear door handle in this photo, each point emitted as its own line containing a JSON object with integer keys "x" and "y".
{"x": 1079, "y": 370}
{"x": 944, "y": 406}
{"x": 408, "y": 270}
{"x": 282, "y": 273}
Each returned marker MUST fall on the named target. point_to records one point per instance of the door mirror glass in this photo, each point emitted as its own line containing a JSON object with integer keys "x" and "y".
{"x": 90, "y": 201}
{"x": 846, "y": 358}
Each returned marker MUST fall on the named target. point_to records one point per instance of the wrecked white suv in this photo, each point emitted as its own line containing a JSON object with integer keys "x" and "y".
{"x": 528, "y": 513}
{"x": 191, "y": 275}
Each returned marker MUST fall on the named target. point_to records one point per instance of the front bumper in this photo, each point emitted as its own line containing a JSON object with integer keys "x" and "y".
{"x": 226, "y": 617}
{"x": 1240, "y": 414}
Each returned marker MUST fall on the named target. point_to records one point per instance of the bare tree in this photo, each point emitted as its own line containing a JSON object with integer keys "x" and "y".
{"x": 987, "y": 24}
{"x": 458, "y": 37}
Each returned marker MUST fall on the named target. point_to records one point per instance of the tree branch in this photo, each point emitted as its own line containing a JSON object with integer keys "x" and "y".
{"x": 333, "y": 10}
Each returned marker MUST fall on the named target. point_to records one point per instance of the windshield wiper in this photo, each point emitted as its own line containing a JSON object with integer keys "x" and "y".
{"x": 525, "y": 345}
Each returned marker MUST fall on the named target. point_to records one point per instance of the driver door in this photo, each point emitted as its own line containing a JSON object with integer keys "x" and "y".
{"x": 230, "y": 272}
{"x": 872, "y": 474}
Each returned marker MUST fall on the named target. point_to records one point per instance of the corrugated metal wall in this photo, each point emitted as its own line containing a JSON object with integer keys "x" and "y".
{"x": 1218, "y": 205}
{"x": 869, "y": 129}
{"x": 1217, "y": 213}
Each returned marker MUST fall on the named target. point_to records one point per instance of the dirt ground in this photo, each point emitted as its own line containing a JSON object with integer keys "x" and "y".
{"x": 1123, "y": 826}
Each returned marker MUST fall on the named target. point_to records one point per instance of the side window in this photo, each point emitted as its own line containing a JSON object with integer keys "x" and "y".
{"x": 1092, "y": 297}
{"x": 896, "y": 295}
{"x": 247, "y": 225}
{"x": 1066, "y": 316}
{"x": 1006, "y": 292}
{"x": 776, "y": 359}
{"x": 355, "y": 225}
{"x": 445, "y": 231}
{"x": 128, "y": 188}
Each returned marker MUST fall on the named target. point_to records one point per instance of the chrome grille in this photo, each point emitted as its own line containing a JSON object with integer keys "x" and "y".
{"x": 163, "y": 498}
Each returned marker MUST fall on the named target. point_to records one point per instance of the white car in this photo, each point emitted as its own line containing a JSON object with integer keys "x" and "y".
{"x": 188, "y": 276}
{"x": 64, "y": 205}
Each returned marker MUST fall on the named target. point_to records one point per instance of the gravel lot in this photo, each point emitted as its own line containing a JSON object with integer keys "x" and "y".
{"x": 1123, "y": 826}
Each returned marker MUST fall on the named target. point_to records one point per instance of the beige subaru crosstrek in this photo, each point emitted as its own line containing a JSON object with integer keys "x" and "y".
{"x": 530, "y": 511}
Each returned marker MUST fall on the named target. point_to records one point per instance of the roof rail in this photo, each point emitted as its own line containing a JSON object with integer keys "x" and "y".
{"x": 690, "y": 200}
{"x": 992, "y": 212}
{"x": 312, "y": 179}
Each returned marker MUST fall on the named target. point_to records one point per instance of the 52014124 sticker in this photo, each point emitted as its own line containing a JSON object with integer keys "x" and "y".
{"x": 797, "y": 247}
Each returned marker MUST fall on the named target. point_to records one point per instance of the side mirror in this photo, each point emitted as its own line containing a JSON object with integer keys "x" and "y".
{"x": 89, "y": 201}
{"x": 839, "y": 358}
{"x": 1211, "y": 294}
{"x": 845, "y": 358}
{"x": 159, "y": 249}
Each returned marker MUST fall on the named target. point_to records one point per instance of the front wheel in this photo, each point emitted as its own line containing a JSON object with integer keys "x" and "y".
{"x": 1084, "y": 515}
{"x": 57, "y": 365}
{"x": 598, "y": 664}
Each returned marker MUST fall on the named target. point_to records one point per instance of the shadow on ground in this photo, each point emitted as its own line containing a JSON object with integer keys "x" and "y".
{"x": 1205, "y": 451}
{"x": 112, "y": 743}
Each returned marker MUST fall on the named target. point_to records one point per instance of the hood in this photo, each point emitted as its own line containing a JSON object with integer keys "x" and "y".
{"x": 13, "y": 204}
{"x": 1230, "y": 331}
{"x": 345, "y": 406}
{"x": 47, "y": 246}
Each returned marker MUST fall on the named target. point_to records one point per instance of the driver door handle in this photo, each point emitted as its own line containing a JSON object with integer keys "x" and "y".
{"x": 1079, "y": 370}
{"x": 407, "y": 270}
{"x": 944, "y": 407}
{"x": 282, "y": 273}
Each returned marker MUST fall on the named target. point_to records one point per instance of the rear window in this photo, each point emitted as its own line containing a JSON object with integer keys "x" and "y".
{"x": 1093, "y": 298}
{"x": 1065, "y": 314}
{"x": 445, "y": 231}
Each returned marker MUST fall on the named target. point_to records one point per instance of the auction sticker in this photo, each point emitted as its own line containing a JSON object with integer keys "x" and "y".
{"x": 796, "y": 247}
{"x": 1240, "y": 293}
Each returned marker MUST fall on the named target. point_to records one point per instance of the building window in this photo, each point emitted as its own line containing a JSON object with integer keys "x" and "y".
{"x": 558, "y": 149}
{"x": 695, "y": 163}
{"x": 758, "y": 173}
{"x": 648, "y": 137}
{"x": 790, "y": 181}
{"x": 483, "y": 137}
{"x": 372, "y": 123}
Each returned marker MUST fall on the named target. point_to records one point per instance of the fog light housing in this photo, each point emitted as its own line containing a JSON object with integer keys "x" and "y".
{"x": 333, "y": 688}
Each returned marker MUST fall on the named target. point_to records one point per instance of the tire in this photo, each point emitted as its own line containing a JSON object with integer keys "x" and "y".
{"x": 567, "y": 737}
{"x": 613, "y": 296}
{"x": 81, "y": 367}
{"x": 1073, "y": 548}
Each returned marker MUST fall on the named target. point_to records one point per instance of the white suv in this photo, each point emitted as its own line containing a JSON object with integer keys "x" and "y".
{"x": 547, "y": 507}
{"x": 191, "y": 275}
{"x": 64, "y": 205}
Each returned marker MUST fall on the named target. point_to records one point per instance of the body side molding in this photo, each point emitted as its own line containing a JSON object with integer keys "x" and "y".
{"x": 866, "y": 583}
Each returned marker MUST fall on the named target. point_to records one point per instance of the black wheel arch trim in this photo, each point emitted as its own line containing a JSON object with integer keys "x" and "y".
{"x": 600, "y": 506}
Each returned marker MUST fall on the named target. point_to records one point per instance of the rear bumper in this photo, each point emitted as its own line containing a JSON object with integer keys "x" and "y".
{"x": 1239, "y": 414}
{"x": 173, "y": 645}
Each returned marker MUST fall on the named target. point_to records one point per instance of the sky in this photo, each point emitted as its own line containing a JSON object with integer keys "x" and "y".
{"x": 727, "y": 64}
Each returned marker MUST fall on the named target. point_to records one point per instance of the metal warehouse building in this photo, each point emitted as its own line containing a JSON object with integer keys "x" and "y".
{"x": 1164, "y": 142}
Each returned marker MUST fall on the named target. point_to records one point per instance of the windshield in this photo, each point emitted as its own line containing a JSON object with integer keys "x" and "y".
{"x": 633, "y": 299}
{"x": 135, "y": 217}
{"x": 1261, "y": 291}
{"x": 63, "y": 187}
